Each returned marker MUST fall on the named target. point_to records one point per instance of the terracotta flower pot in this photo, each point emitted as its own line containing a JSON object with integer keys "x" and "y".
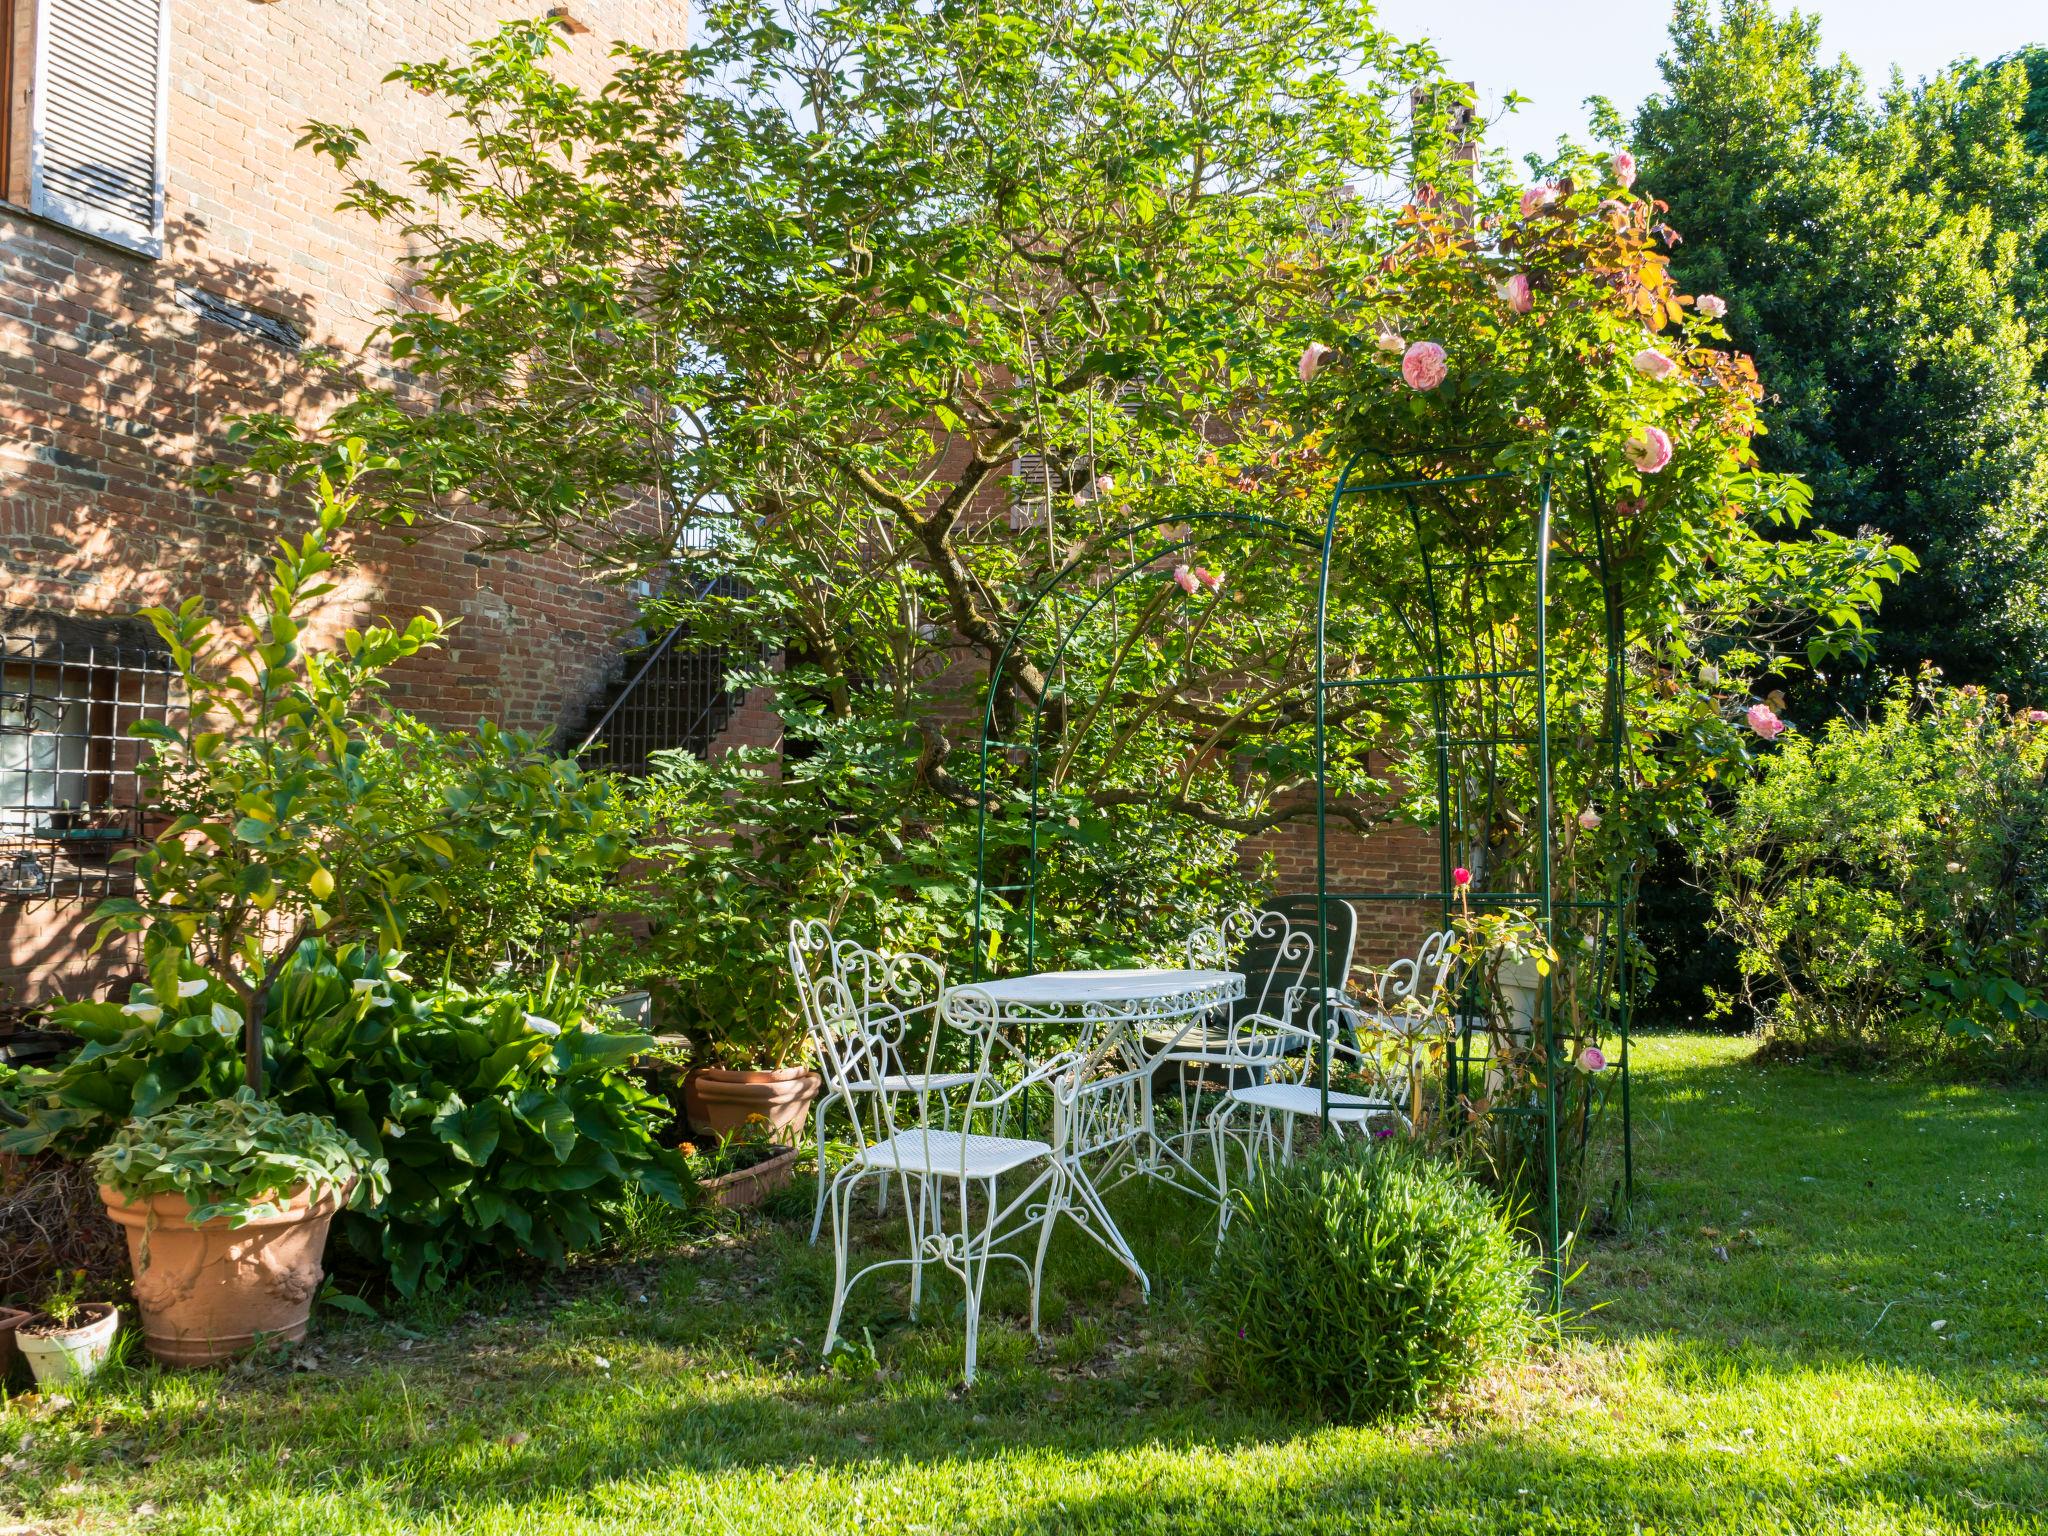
{"x": 746, "y": 1187}
{"x": 59, "y": 1356}
{"x": 211, "y": 1291}
{"x": 11, "y": 1318}
{"x": 718, "y": 1102}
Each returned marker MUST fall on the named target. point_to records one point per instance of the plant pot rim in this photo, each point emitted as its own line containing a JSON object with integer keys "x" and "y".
{"x": 35, "y": 1327}
{"x": 754, "y": 1074}
{"x": 170, "y": 1206}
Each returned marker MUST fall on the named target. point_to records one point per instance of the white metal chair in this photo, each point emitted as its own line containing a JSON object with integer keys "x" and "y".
{"x": 1260, "y": 1116}
{"x": 925, "y": 1160}
{"x": 891, "y": 998}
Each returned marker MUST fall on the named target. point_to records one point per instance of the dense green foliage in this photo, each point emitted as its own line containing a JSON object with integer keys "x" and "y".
{"x": 1364, "y": 1282}
{"x": 1887, "y": 884}
{"x": 297, "y": 806}
{"x": 1887, "y": 265}
{"x": 509, "y": 1120}
{"x": 237, "y": 1157}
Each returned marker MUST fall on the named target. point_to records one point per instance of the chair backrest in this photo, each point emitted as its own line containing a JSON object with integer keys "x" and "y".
{"x": 1418, "y": 981}
{"x": 1275, "y": 950}
{"x": 861, "y": 1007}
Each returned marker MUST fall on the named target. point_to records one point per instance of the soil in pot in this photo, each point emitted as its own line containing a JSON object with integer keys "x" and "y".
{"x": 60, "y": 1353}
{"x": 719, "y": 1102}
{"x": 210, "y": 1292}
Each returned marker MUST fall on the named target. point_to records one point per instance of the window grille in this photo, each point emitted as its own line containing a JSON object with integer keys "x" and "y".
{"x": 70, "y": 789}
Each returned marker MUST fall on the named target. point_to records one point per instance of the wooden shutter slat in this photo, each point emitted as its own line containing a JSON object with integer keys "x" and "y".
{"x": 97, "y": 127}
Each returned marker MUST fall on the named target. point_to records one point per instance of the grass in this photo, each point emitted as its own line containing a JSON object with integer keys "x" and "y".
{"x": 1761, "y": 1354}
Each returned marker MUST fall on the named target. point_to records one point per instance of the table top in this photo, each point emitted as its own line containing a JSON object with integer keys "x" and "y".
{"x": 1079, "y": 988}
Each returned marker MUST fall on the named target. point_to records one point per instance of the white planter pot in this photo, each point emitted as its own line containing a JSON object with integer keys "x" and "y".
{"x": 1520, "y": 985}
{"x": 60, "y": 1358}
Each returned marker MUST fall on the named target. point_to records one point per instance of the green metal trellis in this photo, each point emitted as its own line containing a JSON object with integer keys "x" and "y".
{"x": 1442, "y": 678}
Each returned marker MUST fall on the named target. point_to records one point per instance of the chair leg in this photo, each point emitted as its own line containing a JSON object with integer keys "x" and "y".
{"x": 817, "y": 1128}
{"x": 974, "y": 1264}
{"x": 842, "y": 1197}
{"x": 1055, "y": 1202}
{"x": 914, "y": 1218}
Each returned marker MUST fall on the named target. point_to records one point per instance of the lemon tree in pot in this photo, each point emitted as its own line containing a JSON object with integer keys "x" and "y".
{"x": 226, "y": 1206}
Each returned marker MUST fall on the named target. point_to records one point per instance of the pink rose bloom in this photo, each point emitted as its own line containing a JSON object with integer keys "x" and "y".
{"x": 1461, "y": 876}
{"x": 1423, "y": 365}
{"x": 1649, "y": 450}
{"x": 2037, "y": 717}
{"x": 1517, "y": 294}
{"x": 1213, "y": 580}
{"x": 1764, "y": 721}
{"x": 1186, "y": 579}
{"x": 1624, "y": 167}
{"x": 1592, "y": 1059}
{"x": 1392, "y": 341}
{"x": 1534, "y": 198}
{"x": 1104, "y": 484}
{"x": 1652, "y": 364}
{"x": 1712, "y": 305}
{"x": 1589, "y": 819}
{"x": 1311, "y": 362}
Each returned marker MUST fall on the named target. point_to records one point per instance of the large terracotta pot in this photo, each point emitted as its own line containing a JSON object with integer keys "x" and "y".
{"x": 718, "y": 1102}
{"x": 212, "y": 1291}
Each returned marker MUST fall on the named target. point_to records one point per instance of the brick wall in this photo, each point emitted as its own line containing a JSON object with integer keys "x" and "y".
{"x": 111, "y": 389}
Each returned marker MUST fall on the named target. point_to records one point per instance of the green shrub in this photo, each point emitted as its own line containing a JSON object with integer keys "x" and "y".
{"x": 1887, "y": 885}
{"x": 509, "y": 1119}
{"x": 1364, "y": 1283}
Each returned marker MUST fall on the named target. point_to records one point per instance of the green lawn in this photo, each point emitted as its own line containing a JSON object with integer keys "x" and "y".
{"x": 1764, "y": 1356}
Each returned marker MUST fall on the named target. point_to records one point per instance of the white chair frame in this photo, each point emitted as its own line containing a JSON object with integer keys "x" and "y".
{"x": 891, "y": 998}
{"x": 1408, "y": 995}
{"x": 926, "y": 1161}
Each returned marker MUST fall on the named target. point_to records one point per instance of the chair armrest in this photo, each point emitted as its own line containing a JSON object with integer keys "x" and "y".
{"x": 1044, "y": 1072}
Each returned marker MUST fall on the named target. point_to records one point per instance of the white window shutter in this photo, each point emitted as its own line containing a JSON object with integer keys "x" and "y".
{"x": 98, "y": 126}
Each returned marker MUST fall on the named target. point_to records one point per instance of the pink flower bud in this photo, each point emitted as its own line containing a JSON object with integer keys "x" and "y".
{"x": 1391, "y": 341}
{"x": 1649, "y": 450}
{"x": 1652, "y": 364}
{"x": 1461, "y": 876}
{"x": 1104, "y": 484}
{"x": 1592, "y": 1059}
{"x": 1517, "y": 294}
{"x": 1764, "y": 721}
{"x": 1534, "y": 198}
{"x": 1423, "y": 365}
{"x": 1624, "y": 167}
{"x": 1311, "y": 362}
{"x": 1712, "y": 305}
{"x": 1589, "y": 819}
{"x": 1185, "y": 578}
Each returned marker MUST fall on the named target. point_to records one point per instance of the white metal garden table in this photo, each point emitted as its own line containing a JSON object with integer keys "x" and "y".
{"x": 1123, "y": 1022}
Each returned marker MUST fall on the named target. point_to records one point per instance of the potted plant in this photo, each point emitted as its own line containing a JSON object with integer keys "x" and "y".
{"x": 69, "y": 1339}
{"x": 226, "y": 1207}
{"x": 741, "y": 1169}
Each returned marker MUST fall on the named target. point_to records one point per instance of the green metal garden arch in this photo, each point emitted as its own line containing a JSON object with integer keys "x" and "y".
{"x": 1444, "y": 680}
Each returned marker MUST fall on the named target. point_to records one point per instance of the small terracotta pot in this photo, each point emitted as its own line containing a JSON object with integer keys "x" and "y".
{"x": 11, "y": 1318}
{"x": 750, "y": 1186}
{"x": 211, "y": 1291}
{"x": 718, "y": 1102}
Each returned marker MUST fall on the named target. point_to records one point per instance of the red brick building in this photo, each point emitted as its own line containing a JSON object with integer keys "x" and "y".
{"x": 167, "y": 257}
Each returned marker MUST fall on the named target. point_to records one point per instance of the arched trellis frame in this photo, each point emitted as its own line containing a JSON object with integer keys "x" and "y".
{"x": 1448, "y": 689}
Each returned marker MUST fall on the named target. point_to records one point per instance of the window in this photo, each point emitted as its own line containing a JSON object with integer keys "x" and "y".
{"x": 70, "y": 794}
{"x": 87, "y": 103}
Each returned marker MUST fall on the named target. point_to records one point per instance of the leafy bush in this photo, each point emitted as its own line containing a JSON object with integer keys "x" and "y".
{"x": 1365, "y": 1283}
{"x": 509, "y": 1119}
{"x": 237, "y": 1158}
{"x": 1887, "y": 884}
